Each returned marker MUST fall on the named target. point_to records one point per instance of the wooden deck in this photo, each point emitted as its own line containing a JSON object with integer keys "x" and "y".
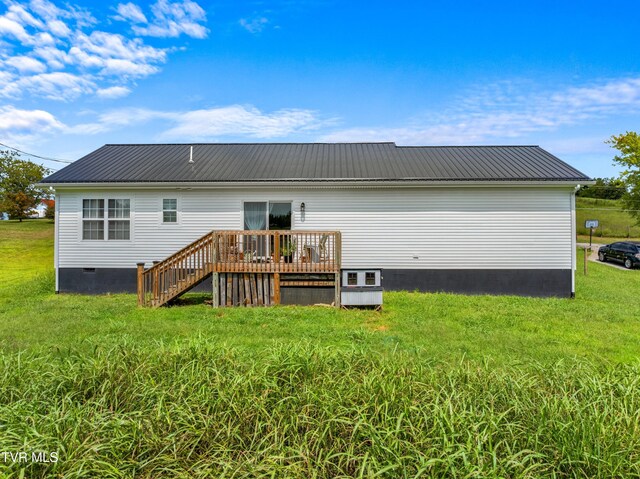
{"x": 248, "y": 262}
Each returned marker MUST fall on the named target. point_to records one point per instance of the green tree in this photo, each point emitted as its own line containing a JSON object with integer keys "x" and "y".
{"x": 628, "y": 144}
{"x": 18, "y": 191}
{"x": 605, "y": 188}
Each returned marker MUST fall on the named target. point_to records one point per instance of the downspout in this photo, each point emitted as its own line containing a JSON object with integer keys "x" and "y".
{"x": 573, "y": 242}
{"x": 56, "y": 248}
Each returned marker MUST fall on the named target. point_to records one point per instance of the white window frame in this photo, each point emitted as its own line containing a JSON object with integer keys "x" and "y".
{"x": 106, "y": 218}
{"x": 97, "y": 219}
{"x": 171, "y": 196}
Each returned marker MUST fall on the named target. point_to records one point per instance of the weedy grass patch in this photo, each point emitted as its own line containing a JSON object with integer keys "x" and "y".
{"x": 196, "y": 410}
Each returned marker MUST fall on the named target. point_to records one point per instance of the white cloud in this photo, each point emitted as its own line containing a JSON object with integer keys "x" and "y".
{"x": 19, "y": 126}
{"x": 116, "y": 55}
{"x": 25, "y": 64}
{"x": 506, "y": 110}
{"x": 113, "y": 92}
{"x": 13, "y": 28}
{"x": 58, "y": 28}
{"x": 41, "y": 38}
{"x": 255, "y": 24}
{"x": 130, "y": 12}
{"x": 169, "y": 19}
{"x": 54, "y": 86}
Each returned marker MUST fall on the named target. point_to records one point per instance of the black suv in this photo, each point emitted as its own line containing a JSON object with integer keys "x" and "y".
{"x": 627, "y": 253}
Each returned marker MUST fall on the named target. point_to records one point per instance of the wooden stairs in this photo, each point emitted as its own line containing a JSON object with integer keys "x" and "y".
{"x": 177, "y": 274}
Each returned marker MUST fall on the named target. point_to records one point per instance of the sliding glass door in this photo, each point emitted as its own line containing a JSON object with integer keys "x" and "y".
{"x": 264, "y": 215}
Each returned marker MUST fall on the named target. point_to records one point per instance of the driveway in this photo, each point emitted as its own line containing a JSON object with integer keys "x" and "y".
{"x": 594, "y": 256}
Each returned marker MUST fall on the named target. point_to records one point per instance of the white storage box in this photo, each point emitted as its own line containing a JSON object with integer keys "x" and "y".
{"x": 362, "y": 287}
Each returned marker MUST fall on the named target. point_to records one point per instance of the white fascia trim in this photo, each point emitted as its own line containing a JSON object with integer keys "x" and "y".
{"x": 317, "y": 184}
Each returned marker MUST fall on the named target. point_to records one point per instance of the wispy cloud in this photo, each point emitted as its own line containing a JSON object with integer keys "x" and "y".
{"x": 168, "y": 19}
{"x": 113, "y": 92}
{"x": 130, "y": 12}
{"x": 240, "y": 121}
{"x": 243, "y": 121}
{"x": 503, "y": 111}
{"x": 54, "y": 86}
{"x": 254, "y": 24}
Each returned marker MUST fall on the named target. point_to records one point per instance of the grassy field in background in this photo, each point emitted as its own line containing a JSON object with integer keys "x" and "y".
{"x": 615, "y": 224}
{"x": 435, "y": 385}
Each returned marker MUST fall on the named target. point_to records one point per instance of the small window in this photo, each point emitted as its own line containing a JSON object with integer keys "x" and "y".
{"x": 92, "y": 229}
{"x": 119, "y": 223}
{"x": 170, "y": 210}
{"x": 370, "y": 278}
{"x": 352, "y": 279}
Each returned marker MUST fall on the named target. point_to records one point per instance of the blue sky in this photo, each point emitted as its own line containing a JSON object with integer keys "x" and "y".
{"x": 564, "y": 75}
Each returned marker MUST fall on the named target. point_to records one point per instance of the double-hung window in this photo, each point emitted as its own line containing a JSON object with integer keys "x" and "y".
{"x": 117, "y": 219}
{"x": 92, "y": 219}
{"x": 169, "y": 210}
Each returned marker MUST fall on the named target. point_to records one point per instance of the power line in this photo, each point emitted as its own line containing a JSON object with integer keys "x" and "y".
{"x": 57, "y": 160}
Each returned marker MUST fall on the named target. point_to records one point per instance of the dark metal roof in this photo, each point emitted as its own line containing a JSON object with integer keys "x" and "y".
{"x": 255, "y": 162}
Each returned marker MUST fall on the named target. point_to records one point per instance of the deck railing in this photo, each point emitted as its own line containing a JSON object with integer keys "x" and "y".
{"x": 280, "y": 251}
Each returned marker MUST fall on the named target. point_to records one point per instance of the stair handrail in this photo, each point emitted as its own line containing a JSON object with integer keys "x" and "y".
{"x": 180, "y": 251}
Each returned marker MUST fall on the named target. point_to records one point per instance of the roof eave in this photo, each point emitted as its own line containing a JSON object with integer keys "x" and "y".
{"x": 565, "y": 182}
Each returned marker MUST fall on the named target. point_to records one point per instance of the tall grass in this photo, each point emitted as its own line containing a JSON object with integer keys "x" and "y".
{"x": 195, "y": 410}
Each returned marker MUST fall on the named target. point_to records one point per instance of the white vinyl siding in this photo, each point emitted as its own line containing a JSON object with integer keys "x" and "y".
{"x": 393, "y": 228}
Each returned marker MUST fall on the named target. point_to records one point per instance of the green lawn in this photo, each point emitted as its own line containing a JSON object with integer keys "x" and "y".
{"x": 435, "y": 385}
{"x": 602, "y": 322}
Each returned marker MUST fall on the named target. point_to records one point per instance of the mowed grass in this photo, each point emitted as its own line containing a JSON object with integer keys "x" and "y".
{"x": 601, "y": 323}
{"x": 435, "y": 385}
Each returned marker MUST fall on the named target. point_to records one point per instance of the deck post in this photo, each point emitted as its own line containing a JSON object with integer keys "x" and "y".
{"x": 215, "y": 278}
{"x": 140, "y": 284}
{"x": 338, "y": 266}
{"x": 156, "y": 285}
{"x": 276, "y": 288}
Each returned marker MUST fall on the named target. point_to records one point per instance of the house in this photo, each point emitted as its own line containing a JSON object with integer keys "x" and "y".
{"x": 465, "y": 219}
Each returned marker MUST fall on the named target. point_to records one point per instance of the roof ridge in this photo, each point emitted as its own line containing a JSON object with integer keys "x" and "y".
{"x": 257, "y": 143}
{"x": 467, "y": 146}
